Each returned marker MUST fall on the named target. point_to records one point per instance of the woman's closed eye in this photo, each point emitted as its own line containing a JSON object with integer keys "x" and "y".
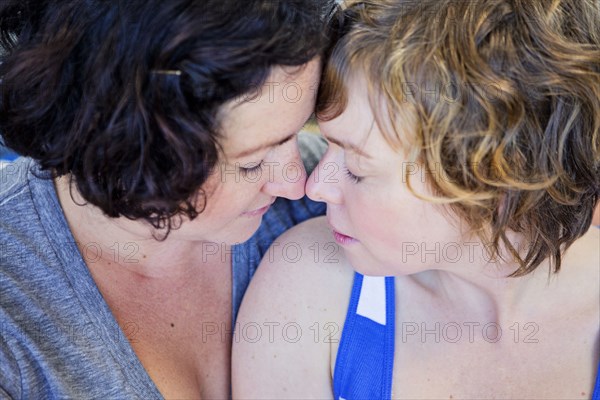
{"x": 251, "y": 168}
{"x": 353, "y": 178}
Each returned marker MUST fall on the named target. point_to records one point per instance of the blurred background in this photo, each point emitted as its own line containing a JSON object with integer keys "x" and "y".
{"x": 5, "y": 153}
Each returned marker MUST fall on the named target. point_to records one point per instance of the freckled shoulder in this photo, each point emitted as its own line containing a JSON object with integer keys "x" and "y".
{"x": 298, "y": 299}
{"x": 307, "y": 258}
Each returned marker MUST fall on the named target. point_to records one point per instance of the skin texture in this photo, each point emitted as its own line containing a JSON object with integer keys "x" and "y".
{"x": 443, "y": 276}
{"x": 169, "y": 290}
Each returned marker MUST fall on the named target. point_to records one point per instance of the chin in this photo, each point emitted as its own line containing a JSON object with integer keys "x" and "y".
{"x": 366, "y": 266}
{"x": 370, "y": 266}
{"x": 243, "y": 233}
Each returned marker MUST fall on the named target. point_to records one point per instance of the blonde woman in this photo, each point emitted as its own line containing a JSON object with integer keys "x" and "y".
{"x": 465, "y": 137}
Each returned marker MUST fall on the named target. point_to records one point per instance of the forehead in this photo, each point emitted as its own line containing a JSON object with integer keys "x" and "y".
{"x": 355, "y": 128}
{"x": 357, "y": 117}
{"x": 273, "y": 111}
{"x": 358, "y": 120}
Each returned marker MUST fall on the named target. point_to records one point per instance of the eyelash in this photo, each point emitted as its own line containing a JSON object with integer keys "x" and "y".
{"x": 247, "y": 171}
{"x": 352, "y": 177}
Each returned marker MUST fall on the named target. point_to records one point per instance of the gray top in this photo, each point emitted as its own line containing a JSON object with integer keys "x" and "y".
{"x": 58, "y": 337}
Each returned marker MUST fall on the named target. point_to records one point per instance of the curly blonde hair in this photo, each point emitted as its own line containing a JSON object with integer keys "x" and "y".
{"x": 506, "y": 95}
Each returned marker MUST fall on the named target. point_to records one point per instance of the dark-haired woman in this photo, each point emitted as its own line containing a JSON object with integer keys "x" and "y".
{"x": 467, "y": 136}
{"x": 157, "y": 135}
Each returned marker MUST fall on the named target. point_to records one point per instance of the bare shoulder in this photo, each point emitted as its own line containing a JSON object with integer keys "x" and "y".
{"x": 303, "y": 261}
{"x": 291, "y": 317}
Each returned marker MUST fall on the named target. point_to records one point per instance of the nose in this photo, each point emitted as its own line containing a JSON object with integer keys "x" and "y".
{"x": 288, "y": 175}
{"x": 323, "y": 183}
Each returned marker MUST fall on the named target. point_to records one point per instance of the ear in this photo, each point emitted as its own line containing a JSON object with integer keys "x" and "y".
{"x": 596, "y": 217}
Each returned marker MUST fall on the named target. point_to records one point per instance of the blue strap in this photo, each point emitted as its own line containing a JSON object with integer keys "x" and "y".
{"x": 596, "y": 395}
{"x": 365, "y": 360}
{"x": 390, "y": 336}
{"x": 339, "y": 372}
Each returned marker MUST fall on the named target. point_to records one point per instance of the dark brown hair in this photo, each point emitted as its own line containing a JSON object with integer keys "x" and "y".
{"x": 124, "y": 95}
{"x": 506, "y": 95}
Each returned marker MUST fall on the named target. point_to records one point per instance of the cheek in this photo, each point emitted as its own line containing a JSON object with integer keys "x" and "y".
{"x": 228, "y": 199}
{"x": 397, "y": 220}
{"x": 375, "y": 216}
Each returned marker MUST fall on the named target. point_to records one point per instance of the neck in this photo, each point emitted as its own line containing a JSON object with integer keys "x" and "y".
{"x": 484, "y": 288}
{"x": 491, "y": 294}
{"x": 130, "y": 245}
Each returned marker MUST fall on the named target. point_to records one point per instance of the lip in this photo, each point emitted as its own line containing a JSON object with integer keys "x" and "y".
{"x": 340, "y": 237}
{"x": 258, "y": 211}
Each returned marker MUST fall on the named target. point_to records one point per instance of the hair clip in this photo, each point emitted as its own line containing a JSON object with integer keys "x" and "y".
{"x": 167, "y": 71}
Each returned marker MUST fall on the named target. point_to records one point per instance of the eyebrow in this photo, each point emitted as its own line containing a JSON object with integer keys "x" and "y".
{"x": 265, "y": 146}
{"x": 348, "y": 146}
{"x": 272, "y": 144}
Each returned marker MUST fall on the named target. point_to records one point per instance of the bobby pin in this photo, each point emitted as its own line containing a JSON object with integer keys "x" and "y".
{"x": 167, "y": 71}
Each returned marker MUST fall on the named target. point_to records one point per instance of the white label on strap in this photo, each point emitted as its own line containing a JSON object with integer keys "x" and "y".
{"x": 371, "y": 303}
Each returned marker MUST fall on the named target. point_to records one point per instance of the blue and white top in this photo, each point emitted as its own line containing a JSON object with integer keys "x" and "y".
{"x": 365, "y": 358}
